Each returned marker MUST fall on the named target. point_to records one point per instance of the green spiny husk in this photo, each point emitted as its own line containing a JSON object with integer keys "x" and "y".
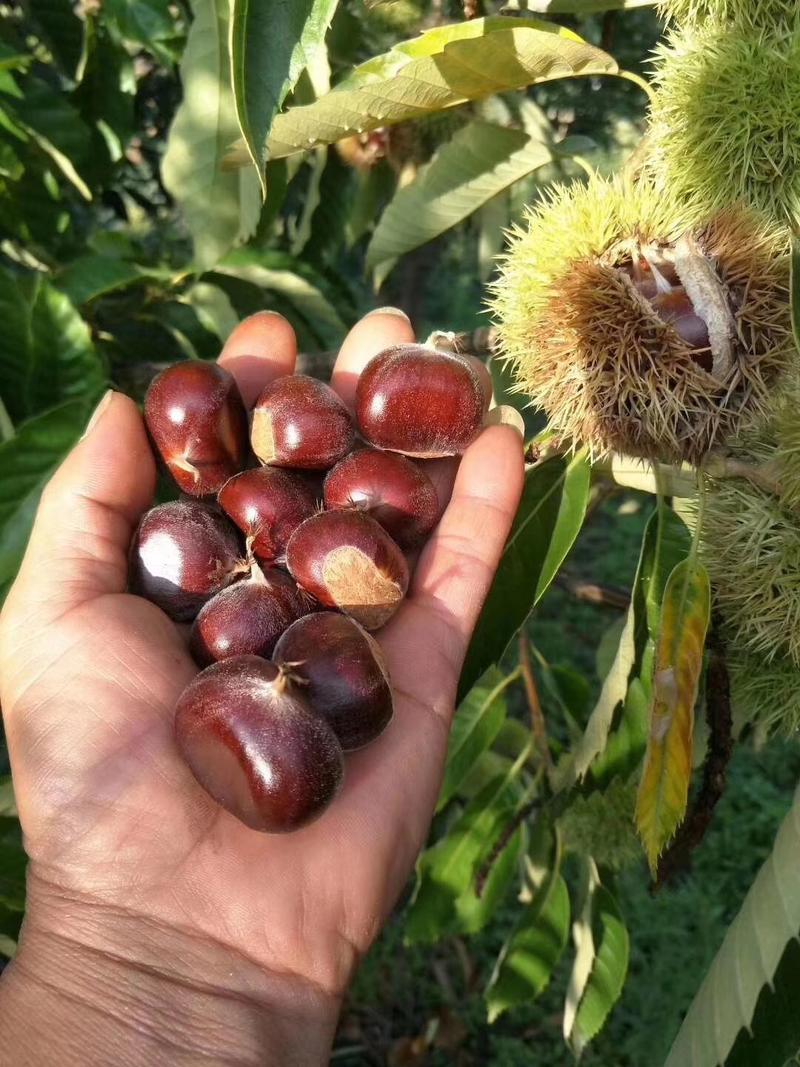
{"x": 765, "y": 693}
{"x": 786, "y": 427}
{"x": 602, "y": 825}
{"x": 752, "y": 13}
{"x": 594, "y": 355}
{"x": 750, "y": 543}
{"x": 725, "y": 120}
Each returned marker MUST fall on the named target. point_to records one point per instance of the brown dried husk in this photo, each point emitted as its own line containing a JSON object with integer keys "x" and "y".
{"x": 606, "y": 368}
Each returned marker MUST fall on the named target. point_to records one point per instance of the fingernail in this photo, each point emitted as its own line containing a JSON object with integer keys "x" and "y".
{"x": 505, "y": 415}
{"x": 105, "y": 400}
{"x": 387, "y": 311}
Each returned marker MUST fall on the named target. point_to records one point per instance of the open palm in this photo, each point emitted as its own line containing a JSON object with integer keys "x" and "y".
{"x": 90, "y": 675}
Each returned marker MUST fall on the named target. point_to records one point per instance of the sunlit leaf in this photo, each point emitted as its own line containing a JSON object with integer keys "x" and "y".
{"x": 602, "y": 949}
{"x": 47, "y": 355}
{"x": 213, "y": 308}
{"x": 748, "y": 962}
{"x": 219, "y": 207}
{"x": 773, "y": 1037}
{"x": 88, "y": 277}
{"x": 147, "y": 23}
{"x": 549, "y": 519}
{"x": 447, "y": 871}
{"x": 530, "y": 955}
{"x": 480, "y": 161}
{"x": 62, "y": 30}
{"x": 271, "y": 44}
{"x": 63, "y": 362}
{"x": 477, "y": 722}
{"x": 56, "y": 127}
{"x": 664, "y": 788}
{"x": 281, "y": 275}
{"x": 441, "y": 68}
{"x": 665, "y": 543}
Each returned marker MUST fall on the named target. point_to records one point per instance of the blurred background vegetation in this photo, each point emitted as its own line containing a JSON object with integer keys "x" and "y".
{"x": 98, "y": 285}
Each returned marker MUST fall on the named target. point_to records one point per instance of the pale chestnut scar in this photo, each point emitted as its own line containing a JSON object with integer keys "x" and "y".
{"x": 360, "y": 588}
{"x": 262, "y": 436}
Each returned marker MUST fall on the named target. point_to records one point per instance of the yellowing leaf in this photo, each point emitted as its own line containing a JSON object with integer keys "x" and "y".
{"x": 664, "y": 788}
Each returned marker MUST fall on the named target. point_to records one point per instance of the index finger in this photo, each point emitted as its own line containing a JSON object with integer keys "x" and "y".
{"x": 379, "y": 329}
{"x": 260, "y": 349}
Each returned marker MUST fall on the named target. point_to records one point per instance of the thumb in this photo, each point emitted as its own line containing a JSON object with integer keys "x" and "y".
{"x": 78, "y": 547}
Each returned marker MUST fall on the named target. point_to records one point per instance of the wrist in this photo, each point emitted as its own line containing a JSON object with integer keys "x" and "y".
{"x": 95, "y": 984}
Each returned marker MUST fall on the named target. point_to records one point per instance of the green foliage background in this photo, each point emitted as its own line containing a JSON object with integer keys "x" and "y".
{"x": 114, "y": 263}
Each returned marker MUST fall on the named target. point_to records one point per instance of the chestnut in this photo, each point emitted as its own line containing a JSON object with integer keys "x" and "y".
{"x": 247, "y": 618}
{"x": 346, "y": 560}
{"x": 184, "y": 552}
{"x": 676, "y": 308}
{"x": 253, "y": 743}
{"x": 342, "y": 673}
{"x": 300, "y": 422}
{"x": 198, "y": 423}
{"x": 392, "y": 489}
{"x": 419, "y": 401}
{"x": 268, "y": 505}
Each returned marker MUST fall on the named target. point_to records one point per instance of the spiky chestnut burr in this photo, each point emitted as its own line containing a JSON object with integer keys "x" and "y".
{"x": 603, "y": 823}
{"x": 604, "y": 304}
{"x": 767, "y": 13}
{"x": 725, "y": 120}
{"x": 750, "y": 543}
{"x": 786, "y": 430}
{"x": 765, "y": 693}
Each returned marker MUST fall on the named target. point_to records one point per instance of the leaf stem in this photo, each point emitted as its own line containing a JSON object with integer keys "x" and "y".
{"x": 538, "y": 724}
{"x": 637, "y": 79}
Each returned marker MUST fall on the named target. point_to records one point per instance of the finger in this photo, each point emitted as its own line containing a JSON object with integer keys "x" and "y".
{"x": 442, "y": 472}
{"x": 484, "y": 375}
{"x": 261, "y": 348}
{"x": 457, "y": 567}
{"x": 378, "y": 330}
{"x": 78, "y": 547}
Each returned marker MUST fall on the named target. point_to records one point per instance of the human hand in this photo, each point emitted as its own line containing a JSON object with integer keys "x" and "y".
{"x": 218, "y": 942}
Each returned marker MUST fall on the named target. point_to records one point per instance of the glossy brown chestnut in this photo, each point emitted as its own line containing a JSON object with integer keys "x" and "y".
{"x": 198, "y": 423}
{"x": 346, "y": 560}
{"x": 254, "y": 744}
{"x": 420, "y": 402}
{"x": 342, "y": 673}
{"x": 267, "y": 505}
{"x": 394, "y": 490}
{"x": 300, "y": 422}
{"x": 182, "y": 554}
{"x": 676, "y": 308}
{"x": 248, "y": 617}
